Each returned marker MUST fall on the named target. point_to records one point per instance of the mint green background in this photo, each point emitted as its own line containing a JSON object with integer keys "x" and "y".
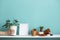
{"x": 33, "y": 12}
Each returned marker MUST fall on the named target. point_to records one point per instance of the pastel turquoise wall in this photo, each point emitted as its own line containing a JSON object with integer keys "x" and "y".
{"x": 33, "y": 12}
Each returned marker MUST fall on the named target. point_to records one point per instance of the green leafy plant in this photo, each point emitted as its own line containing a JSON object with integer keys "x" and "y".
{"x": 8, "y": 24}
{"x": 15, "y": 22}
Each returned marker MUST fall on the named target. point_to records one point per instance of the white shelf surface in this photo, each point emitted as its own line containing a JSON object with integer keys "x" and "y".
{"x": 17, "y": 36}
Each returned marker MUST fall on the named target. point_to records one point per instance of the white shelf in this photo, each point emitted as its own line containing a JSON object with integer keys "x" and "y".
{"x": 54, "y": 36}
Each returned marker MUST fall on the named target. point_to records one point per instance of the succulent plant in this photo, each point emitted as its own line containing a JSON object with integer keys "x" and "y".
{"x": 41, "y": 28}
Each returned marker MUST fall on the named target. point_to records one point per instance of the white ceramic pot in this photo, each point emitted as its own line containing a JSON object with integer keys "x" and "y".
{"x": 41, "y": 32}
{"x": 13, "y": 30}
{"x": 23, "y": 29}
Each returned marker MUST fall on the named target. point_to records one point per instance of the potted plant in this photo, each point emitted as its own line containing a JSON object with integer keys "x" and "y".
{"x": 41, "y": 33}
{"x": 12, "y": 26}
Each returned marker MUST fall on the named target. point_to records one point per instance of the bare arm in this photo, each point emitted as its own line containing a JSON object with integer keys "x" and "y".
{"x": 9, "y": 32}
{"x": 3, "y": 33}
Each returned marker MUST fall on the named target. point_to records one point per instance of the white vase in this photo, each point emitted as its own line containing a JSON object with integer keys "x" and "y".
{"x": 13, "y": 30}
{"x": 23, "y": 29}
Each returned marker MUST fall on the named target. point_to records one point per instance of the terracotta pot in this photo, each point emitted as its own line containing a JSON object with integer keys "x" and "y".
{"x": 47, "y": 31}
{"x": 34, "y": 32}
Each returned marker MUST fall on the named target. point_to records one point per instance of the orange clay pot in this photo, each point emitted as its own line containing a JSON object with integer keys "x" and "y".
{"x": 34, "y": 32}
